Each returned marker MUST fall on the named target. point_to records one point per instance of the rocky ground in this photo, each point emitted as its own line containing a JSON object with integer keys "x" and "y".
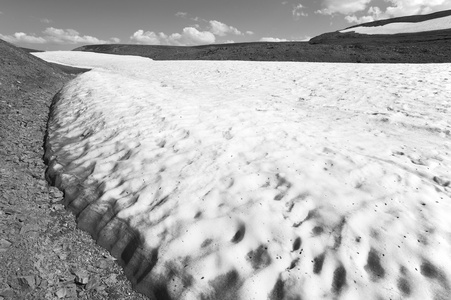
{"x": 42, "y": 253}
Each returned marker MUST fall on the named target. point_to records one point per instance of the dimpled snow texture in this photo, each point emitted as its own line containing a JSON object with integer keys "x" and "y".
{"x": 244, "y": 180}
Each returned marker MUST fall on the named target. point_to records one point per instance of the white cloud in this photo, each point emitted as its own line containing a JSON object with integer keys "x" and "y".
{"x": 374, "y": 13}
{"x": 46, "y": 21}
{"x": 272, "y": 39}
{"x": 70, "y": 36}
{"x": 189, "y": 36}
{"x": 22, "y": 37}
{"x": 409, "y": 7}
{"x": 297, "y": 11}
{"x": 115, "y": 40}
{"x": 221, "y": 29}
{"x": 355, "y": 19}
{"x": 358, "y": 11}
{"x": 181, "y": 14}
{"x": 343, "y": 6}
{"x": 185, "y": 15}
{"x": 148, "y": 37}
{"x": 55, "y": 36}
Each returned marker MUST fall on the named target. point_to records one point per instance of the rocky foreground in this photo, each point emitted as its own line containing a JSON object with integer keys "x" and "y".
{"x": 42, "y": 254}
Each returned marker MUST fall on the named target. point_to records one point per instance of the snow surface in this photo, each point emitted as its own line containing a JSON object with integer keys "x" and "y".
{"x": 404, "y": 27}
{"x": 308, "y": 180}
{"x": 82, "y": 59}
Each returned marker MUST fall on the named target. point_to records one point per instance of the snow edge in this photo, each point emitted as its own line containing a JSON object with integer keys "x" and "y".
{"x": 99, "y": 220}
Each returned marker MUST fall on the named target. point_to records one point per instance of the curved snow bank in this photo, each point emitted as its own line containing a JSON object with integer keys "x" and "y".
{"x": 92, "y": 60}
{"x": 401, "y": 27}
{"x": 238, "y": 180}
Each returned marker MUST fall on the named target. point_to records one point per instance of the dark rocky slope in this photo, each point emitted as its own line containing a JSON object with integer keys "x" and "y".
{"x": 42, "y": 254}
{"x": 355, "y": 51}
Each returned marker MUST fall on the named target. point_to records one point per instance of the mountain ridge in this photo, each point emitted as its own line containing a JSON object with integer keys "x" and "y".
{"x": 405, "y": 19}
{"x": 435, "y": 38}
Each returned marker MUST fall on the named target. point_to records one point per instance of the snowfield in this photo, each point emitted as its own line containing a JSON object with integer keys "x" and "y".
{"x": 261, "y": 180}
{"x": 404, "y": 27}
{"x": 89, "y": 60}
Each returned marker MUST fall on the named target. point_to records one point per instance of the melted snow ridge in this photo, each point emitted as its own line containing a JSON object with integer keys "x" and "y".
{"x": 404, "y": 27}
{"x": 207, "y": 182}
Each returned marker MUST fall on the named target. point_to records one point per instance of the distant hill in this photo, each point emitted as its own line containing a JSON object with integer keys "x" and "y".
{"x": 18, "y": 65}
{"x": 19, "y": 68}
{"x": 29, "y": 50}
{"x": 350, "y": 47}
{"x": 259, "y": 51}
{"x": 356, "y": 34}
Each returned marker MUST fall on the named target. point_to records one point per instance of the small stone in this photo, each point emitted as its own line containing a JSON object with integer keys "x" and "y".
{"x": 14, "y": 283}
{"x": 92, "y": 269}
{"x": 38, "y": 280}
{"x": 27, "y": 282}
{"x": 41, "y": 182}
{"x": 58, "y": 207}
{"x": 55, "y": 200}
{"x": 81, "y": 277}
{"x": 71, "y": 290}
{"x": 7, "y": 293}
{"x": 94, "y": 283}
{"x": 67, "y": 278}
{"x": 103, "y": 264}
{"x": 55, "y": 193}
{"x": 111, "y": 280}
{"x": 61, "y": 293}
{"x": 9, "y": 211}
{"x": 4, "y": 245}
{"x": 109, "y": 256}
{"x": 43, "y": 283}
{"x": 29, "y": 227}
{"x": 100, "y": 288}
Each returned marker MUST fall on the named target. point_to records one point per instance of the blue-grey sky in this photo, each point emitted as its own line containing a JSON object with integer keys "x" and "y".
{"x": 67, "y": 24}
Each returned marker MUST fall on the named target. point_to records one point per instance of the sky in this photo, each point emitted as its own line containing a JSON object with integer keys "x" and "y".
{"x": 67, "y": 24}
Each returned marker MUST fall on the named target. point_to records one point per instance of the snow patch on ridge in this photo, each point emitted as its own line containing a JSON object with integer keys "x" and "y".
{"x": 263, "y": 180}
{"x": 404, "y": 27}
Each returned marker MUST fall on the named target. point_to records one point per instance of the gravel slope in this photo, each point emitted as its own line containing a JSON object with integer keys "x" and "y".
{"x": 42, "y": 254}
